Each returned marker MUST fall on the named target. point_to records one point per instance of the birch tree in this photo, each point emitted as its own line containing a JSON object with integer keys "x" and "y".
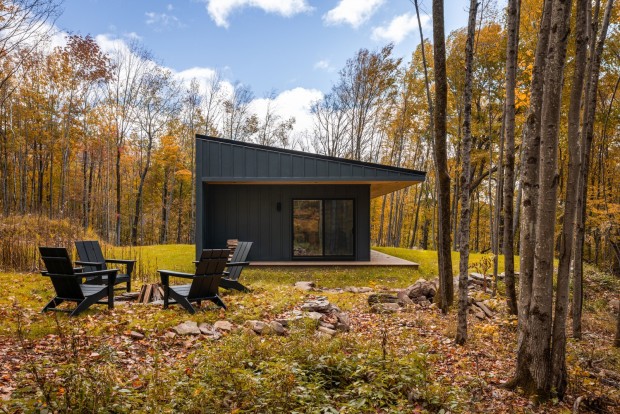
{"x": 446, "y": 287}
{"x": 465, "y": 180}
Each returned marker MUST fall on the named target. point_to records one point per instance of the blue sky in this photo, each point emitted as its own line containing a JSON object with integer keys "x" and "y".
{"x": 291, "y": 47}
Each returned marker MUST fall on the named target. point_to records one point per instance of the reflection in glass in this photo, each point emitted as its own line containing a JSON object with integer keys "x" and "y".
{"x": 323, "y": 228}
{"x": 338, "y": 227}
{"x": 307, "y": 228}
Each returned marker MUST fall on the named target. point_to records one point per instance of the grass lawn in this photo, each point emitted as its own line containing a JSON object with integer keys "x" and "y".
{"x": 402, "y": 362}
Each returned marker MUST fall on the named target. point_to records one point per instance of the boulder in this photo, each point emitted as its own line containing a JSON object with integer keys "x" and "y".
{"x": 377, "y": 298}
{"x": 136, "y": 335}
{"x": 277, "y": 328}
{"x": 403, "y": 298}
{"x": 187, "y": 328}
{"x": 306, "y": 286}
{"x": 614, "y": 305}
{"x": 259, "y": 327}
{"x": 320, "y": 304}
{"x": 328, "y": 331}
{"x": 385, "y": 308}
{"x": 224, "y": 326}
{"x": 314, "y": 315}
{"x": 420, "y": 288}
{"x": 343, "y": 323}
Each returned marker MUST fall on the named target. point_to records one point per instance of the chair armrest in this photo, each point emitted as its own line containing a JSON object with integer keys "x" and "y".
{"x": 76, "y": 276}
{"x": 98, "y": 265}
{"x": 120, "y": 261}
{"x": 231, "y": 264}
{"x": 111, "y": 273}
{"x": 176, "y": 274}
{"x": 128, "y": 262}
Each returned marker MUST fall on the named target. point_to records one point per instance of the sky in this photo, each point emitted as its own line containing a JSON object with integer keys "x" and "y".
{"x": 289, "y": 51}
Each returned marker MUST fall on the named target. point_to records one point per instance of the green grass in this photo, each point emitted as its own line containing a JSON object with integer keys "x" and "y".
{"x": 427, "y": 259}
{"x": 243, "y": 372}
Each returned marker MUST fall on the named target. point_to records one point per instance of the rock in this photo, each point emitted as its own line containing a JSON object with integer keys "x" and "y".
{"x": 321, "y": 304}
{"x": 354, "y": 289}
{"x": 277, "y": 328}
{"x": 284, "y": 322}
{"x": 377, "y": 298}
{"x": 314, "y": 315}
{"x": 479, "y": 315}
{"x": 320, "y": 334}
{"x": 424, "y": 303}
{"x": 422, "y": 287}
{"x": 205, "y": 328}
{"x": 484, "y": 309}
{"x": 305, "y": 285}
{"x": 614, "y": 305}
{"x": 327, "y": 325}
{"x": 419, "y": 299}
{"x": 385, "y": 308}
{"x": 187, "y": 328}
{"x": 224, "y": 326}
{"x": 403, "y": 298}
{"x": 259, "y": 327}
{"x": 343, "y": 323}
{"x": 136, "y": 335}
{"x": 328, "y": 331}
{"x": 169, "y": 335}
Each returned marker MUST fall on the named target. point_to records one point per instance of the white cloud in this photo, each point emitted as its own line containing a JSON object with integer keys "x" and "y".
{"x": 291, "y": 103}
{"x": 324, "y": 64}
{"x": 352, "y": 12}
{"x": 220, "y": 10}
{"x": 162, "y": 20}
{"x": 133, "y": 36}
{"x": 110, "y": 44}
{"x": 400, "y": 26}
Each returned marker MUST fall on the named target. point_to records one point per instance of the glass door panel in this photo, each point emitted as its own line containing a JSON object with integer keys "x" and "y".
{"x": 307, "y": 228}
{"x": 339, "y": 222}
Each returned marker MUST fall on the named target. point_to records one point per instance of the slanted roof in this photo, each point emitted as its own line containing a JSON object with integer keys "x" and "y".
{"x": 224, "y": 161}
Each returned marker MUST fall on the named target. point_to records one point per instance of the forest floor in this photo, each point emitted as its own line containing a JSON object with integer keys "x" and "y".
{"x": 129, "y": 360}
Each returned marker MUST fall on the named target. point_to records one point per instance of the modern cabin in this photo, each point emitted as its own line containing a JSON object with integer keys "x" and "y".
{"x": 293, "y": 205}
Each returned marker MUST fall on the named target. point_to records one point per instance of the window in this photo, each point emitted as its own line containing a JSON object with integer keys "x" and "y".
{"x": 323, "y": 228}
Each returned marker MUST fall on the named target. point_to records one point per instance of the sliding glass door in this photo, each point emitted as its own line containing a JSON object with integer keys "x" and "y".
{"x": 323, "y": 228}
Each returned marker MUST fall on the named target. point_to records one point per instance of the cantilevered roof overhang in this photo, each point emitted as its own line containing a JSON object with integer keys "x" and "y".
{"x": 224, "y": 161}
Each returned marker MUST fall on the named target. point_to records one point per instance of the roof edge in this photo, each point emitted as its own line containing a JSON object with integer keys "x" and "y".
{"x": 307, "y": 154}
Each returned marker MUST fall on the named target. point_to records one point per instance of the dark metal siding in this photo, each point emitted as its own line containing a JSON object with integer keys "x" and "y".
{"x": 227, "y": 160}
{"x": 249, "y": 213}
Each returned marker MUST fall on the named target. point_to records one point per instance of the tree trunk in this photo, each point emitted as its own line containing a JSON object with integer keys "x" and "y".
{"x": 118, "y": 197}
{"x": 446, "y": 288}
{"x": 617, "y": 338}
{"x": 138, "y": 208}
{"x": 559, "y": 374}
{"x": 586, "y": 145}
{"x": 529, "y": 179}
{"x": 163, "y": 231}
{"x": 461, "y": 333}
{"x": 512, "y": 48}
{"x": 540, "y": 321}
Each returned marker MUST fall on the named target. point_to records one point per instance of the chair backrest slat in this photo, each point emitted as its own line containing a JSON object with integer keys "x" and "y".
{"x": 90, "y": 251}
{"x": 208, "y": 273}
{"x": 241, "y": 254}
{"x": 58, "y": 262}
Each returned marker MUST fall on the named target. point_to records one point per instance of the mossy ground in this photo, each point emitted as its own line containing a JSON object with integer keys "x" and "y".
{"x": 405, "y": 362}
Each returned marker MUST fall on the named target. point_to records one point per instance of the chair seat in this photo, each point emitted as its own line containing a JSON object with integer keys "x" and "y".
{"x": 90, "y": 290}
{"x": 120, "y": 278}
{"x": 181, "y": 289}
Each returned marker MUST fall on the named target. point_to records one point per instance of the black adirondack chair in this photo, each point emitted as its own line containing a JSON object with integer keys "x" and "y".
{"x": 205, "y": 282}
{"x": 92, "y": 259}
{"x": 235, "y": 267}
{"x": 68, "y": 284}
